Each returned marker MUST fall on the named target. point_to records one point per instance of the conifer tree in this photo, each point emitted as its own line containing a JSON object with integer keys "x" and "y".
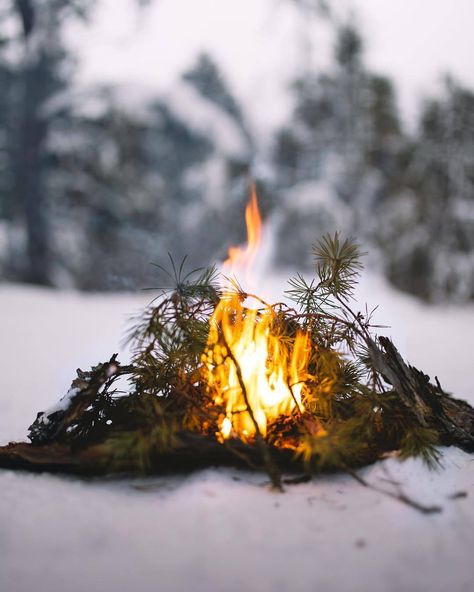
{"x": 437, "y": 237}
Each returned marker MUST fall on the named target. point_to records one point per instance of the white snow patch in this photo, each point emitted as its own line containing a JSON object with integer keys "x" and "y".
{"x": 206, "y": 118}
{"x": 319, "y": 197}
{"x": 62, "y": 405}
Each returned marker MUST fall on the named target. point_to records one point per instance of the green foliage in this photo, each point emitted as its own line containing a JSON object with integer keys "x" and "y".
{"x": 338, "y": 265}
{"x": 422, "y": 442}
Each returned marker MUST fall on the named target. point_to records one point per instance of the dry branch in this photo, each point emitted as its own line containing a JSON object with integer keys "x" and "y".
{"x": 453, "y": 419}
{"x": 193, "y": 451}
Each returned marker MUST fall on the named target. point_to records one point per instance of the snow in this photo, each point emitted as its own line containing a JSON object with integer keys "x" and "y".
{"x": 205, "y": 118}
{"x": 261, "y": 44}
{"x": 61, "y": 405}
{"x": 222, "y": 529}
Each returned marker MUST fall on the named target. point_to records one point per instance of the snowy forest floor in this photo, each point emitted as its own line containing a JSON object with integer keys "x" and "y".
{"x": 223, "y": 530}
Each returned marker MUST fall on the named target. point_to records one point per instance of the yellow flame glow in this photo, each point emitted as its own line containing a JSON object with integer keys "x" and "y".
{"x": 246, "y": 363}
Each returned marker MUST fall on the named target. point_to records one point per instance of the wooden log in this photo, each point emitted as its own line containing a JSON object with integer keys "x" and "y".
{"x": 192, "y": 452}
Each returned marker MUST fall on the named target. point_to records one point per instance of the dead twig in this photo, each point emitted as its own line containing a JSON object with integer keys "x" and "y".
{"x": 399, "y": 495}
{"x": 272, "y": 469}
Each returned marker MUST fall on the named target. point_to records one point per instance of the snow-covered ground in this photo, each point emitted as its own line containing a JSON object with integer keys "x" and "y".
{"x": 223, "y": 530}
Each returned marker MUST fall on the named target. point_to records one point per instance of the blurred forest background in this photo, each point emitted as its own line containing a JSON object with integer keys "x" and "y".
{"x": 94, "y": 187}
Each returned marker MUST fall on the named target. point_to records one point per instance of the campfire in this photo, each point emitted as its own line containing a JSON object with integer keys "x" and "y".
{"x": 248, "y": 366}
{"x": 221, "y": 377}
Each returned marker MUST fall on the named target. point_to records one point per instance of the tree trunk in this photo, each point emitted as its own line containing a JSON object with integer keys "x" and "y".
{"x": 29, "y": 165}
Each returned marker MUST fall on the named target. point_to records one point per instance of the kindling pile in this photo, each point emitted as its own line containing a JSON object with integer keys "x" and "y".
{"x": 220, "y": 377}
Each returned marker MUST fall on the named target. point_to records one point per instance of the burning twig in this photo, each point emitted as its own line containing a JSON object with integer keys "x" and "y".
{"x": 271, "y": 467}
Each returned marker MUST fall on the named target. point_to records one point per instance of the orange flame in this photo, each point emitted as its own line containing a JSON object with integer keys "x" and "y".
{"x": 247, "y": 366}
{"x": 243, "y": 258}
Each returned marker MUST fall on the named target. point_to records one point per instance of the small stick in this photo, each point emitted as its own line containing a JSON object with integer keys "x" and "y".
{"x": 241, "y": 456}
{"x": 400, "y": 496}
{"x": 290, "y": 388}
{"x": 272, "y": 469}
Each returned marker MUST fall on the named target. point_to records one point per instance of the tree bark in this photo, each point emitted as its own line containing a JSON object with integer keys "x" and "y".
{"x": 29, "y": 168}
{"x": 192, "y": 452}
{"x": 453, "y": 419}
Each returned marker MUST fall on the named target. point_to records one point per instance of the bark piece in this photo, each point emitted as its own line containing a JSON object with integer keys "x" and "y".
{"x": 192, "y": 452}
{"x": 452, "y": 418}
{"x": 52, "y": 424}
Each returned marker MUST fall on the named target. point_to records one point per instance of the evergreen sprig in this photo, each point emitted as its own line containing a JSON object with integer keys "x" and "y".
{"x": 338, "y": 265}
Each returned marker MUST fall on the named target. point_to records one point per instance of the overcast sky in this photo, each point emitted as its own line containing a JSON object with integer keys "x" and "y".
{"x": 260, "y": 43}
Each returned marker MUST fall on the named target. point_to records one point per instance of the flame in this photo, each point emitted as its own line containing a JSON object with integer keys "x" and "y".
{"x": 239, "y": 258}
{"x": 248, "y": 368}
